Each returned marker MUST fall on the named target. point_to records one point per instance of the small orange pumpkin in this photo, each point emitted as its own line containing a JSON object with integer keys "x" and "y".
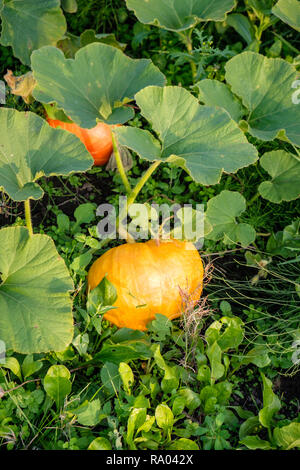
{"x": 148, "y": 278}
{"x": 97, "y": 140}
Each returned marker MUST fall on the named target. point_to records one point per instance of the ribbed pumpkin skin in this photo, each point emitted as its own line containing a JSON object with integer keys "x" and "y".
{"x": 147, "y": 277}
{"x": 97, "y": 140}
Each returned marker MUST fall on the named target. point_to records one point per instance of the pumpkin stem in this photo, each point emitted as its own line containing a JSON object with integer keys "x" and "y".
{"x": 187, "y": 40}
{"x": 162, "y": 226}
{"x": 132, "y": 197}
{"x": 28, "y": 216}
{"x": 120, "y": 164}
{"x": 142, "y": 181}
{"x": 123, "y": 232}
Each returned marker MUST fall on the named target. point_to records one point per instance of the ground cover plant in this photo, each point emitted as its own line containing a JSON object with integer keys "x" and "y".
{"x": 125, "y": 125}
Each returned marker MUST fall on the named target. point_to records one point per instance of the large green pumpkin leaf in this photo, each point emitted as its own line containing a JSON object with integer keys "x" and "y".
{"x": 215, "y": 93}
{"x": 96, "y": 85}
{"x": 222, "y": 211}
{"x": 30, "y": 148}
{"x": 30, "y": 24}
{"x": 140, "y": 141}
{"x": 284, "y": 168}
{"x": 289, "y": 12}
{"x": 203, "y": 140}
{"x": 178, "y": 15}
{"x": 35, "y": 305}
{"x": 266, "y": 88}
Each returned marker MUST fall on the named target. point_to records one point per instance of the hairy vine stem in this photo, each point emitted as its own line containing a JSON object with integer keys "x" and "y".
{"x": 28, "y": 216}
{"x": 187, "y": 40}
{"x": 142, "y": 181}
{"x": 132, "y": 197}
{"x": 120, "y": 164}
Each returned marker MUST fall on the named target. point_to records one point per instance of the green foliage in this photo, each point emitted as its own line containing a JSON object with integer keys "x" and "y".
{"x": 282, "y": 437}
{"x": 221, "y": 213}
{"x": 214, "y": 93}
{"x": 70, "y": 6}
{"x": 34, "y": 289}
{"x": 289, "y": 12}
{"x": 70, "y": 380}
{"x": 242, "y": 25}
{"x": 172, "y": 111}
{"x": 284, "y": 168}
{"x": 203, "y": 53}
{"x": 21, "y": 160}
{"x": 100, "y": 443}
{"x": 286, "y": 243}
{"x": 27, "y": 26}
{"x": 57, "y": 384}
{"x": 251, "y": 77}
{"x": 178, "y": 16}
{"x": 104, "y": 98}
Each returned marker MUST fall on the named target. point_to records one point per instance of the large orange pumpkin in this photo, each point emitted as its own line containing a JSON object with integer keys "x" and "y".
{"x": 97, "y": 140}
{"x": 149, "y": 278}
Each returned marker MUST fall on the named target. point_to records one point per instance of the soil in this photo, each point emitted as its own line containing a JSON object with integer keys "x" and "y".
{"x": 68, "y": 203}
{"x": 288, "y": 387}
